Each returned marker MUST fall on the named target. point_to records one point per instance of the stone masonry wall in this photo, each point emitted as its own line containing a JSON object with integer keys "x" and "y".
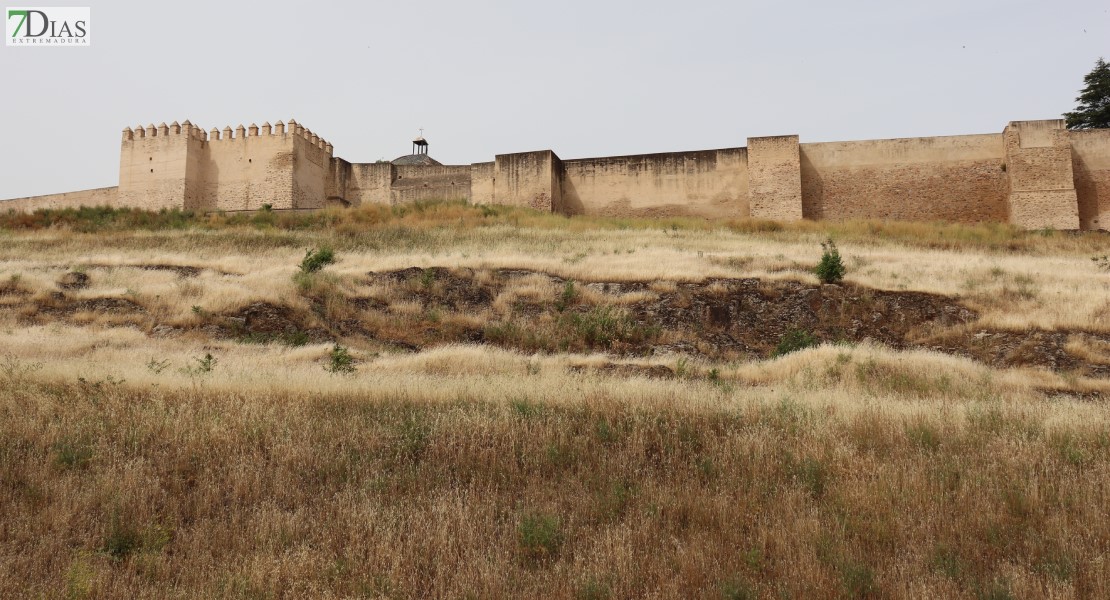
{"x": 481, "y": 183}
{"x": 1091, "y": 165}
{"x": 369, "y": 183}
{"x": 96, "y": 197}
{"x": 957, "y": 178}
{"x": 708, "y": 183}
{"x": 386, "y": 183}
{"x": 311, "y": 161}
{"x": 774, "y": 165}
{"x": 1035, "y": 174}
{"x": 446, "y": 182}
{"x": 338, "y": 180}
{"x": 527, "y": 179}
{"x": 1042, "y": 185}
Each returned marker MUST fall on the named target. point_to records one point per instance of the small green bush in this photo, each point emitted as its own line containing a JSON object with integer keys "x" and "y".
{"x": 603, "y": 326}
{"x": 203, "y": 366}
{"x": 794, "y": 340}
{"x": 810, "y": 473}
{"x": 413, "y": 434}
{"x": 567, "y": 297}
{"x": 526, "y": 408}
{"x": 122, "y": 538}
{"x": 737, "y": 589}
{"x": 540, "y": 537}
{"x": 947, "y": 561}
{"x": 594, "y": 589}
{"x": 72, "y": 453}
{"x": 923, "y": 435}
{"x": 317, "y": 259}
{"x": 606, "y": 434}
{"x": 831, "y": 268}
{"x": 206, "y": 364}
{"x": 340, "y": 361}
{"x": 858, "y": 579}
{"x": 157, "y": 366}
{"x": 294, "y": 338}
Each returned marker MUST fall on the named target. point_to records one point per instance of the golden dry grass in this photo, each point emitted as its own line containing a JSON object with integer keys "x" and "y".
{"x": 470, "y": 471}
{"x": 127, "y": 469}
{"x": 1017, "y": 279}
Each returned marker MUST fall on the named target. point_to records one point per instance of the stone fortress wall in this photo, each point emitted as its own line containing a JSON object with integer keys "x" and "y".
{"x": 1034, "y": 174}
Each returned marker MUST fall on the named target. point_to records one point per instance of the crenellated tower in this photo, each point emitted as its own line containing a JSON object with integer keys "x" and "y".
{"x": 181, "y": 166}
{"x": 161, "y": 167}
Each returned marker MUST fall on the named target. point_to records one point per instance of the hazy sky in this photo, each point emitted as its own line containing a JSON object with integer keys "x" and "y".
{"x": 584, "y": 79}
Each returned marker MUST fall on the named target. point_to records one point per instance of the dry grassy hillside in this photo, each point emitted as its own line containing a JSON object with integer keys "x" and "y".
{"x": 491, "y": 402}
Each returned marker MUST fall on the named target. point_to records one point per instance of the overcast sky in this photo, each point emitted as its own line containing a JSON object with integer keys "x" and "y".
{"x": 591, "y": 78}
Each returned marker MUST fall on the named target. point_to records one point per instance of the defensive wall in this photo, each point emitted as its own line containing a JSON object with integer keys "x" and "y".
{"x": 1034, "y": 174}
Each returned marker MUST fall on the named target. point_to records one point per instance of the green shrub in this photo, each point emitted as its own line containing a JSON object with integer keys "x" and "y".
{"x": 540, "y": 537}
{"x": 594, "y": 589}
{"x": 122, "y": 538}
{"x": 601, "y": 327}
{"x": 923, "y": 435}
{"x": 858, "y": 579}
{"x": 203, "y": 366}
{"x": 737, "y": 589}
{"x": 295, "y": 339}
{"x": 427, "y": 278}
{"x": 413, "y": 434}
{"x": 831, "y": 268}
{"x": 809, "y": 473}
{"x": 72, "y": 453}
{"x": 794, "y": 340}
{"x": 317, "y": 259}
{"x": 526, "y": 408}
{"x": 157, "y": 366}
{"x": 606, "y": 434}
{"x": 947, "y": 561}
{"x": 567, "y": 297}
{"x": 340, "y": 361}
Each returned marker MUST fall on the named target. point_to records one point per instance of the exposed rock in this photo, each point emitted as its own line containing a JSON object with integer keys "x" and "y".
{"x": 73, "y": 281}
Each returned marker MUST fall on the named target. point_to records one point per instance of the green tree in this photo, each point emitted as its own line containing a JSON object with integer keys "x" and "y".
{"x": 1094, "y": 100}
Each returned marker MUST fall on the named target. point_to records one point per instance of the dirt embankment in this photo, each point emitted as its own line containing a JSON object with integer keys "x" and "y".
{"x": 718, "y": 319}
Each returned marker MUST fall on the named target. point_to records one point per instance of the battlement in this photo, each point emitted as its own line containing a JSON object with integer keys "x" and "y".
{"x": 278, "y": 129}
{"x": 240, "y": 132}
{"x": 152, "y": 130}
{"x": 186, "y": 129}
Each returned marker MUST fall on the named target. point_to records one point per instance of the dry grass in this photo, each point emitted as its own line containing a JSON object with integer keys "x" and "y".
{"x": 133, "y": 465}
{"x": 1018, "y": 279}
{"x": 468, "y": 471}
